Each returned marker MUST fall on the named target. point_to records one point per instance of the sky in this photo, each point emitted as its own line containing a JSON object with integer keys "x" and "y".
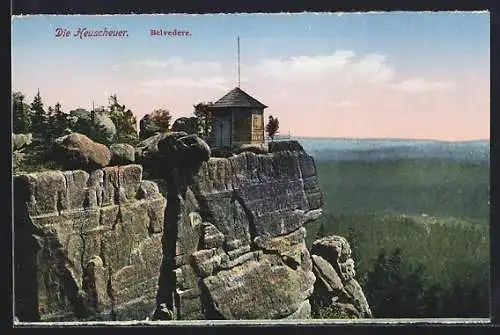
{"x": 367, "y": 75}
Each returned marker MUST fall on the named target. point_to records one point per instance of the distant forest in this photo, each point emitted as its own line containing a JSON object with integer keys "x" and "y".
{"x": 419, "y": 232}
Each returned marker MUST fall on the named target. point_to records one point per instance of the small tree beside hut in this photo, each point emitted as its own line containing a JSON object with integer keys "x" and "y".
{"x": 272, "y": 127}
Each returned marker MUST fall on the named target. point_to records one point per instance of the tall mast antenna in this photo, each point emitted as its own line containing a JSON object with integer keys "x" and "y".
{"x": 238, "y": 61}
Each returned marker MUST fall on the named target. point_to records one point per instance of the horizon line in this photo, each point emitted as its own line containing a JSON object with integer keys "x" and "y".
{"x": 382, "y": 138}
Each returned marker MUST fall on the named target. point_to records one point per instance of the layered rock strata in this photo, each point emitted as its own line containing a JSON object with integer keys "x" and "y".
{"x": 203, "y": 239}
{"x": 336, "y": 286}
{"x": 86, "y": 244}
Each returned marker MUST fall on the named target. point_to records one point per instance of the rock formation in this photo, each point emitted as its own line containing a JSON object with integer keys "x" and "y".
{"x": 97, "y": 118}
{"x": 241, "y": 225}
{"x": 122, "y": 154}
{"x": 203, "y": 238}
{"x": 86, "y": 243}
{"x": 336, "y": 286}
{"x": 20, "y": 142}
{"x": 189, "y": 125}
{"x": 77, "y": 151}
{"x": 147, "y": 127}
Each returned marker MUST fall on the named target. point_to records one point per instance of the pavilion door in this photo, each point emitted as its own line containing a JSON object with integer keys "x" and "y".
{"x": 223, "y": 138}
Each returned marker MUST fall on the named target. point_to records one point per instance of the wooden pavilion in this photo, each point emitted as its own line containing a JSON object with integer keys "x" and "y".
{"x": 237, "y": 118}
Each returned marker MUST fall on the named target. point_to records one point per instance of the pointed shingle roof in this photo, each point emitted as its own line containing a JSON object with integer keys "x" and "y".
{"x": 237, "y": 98}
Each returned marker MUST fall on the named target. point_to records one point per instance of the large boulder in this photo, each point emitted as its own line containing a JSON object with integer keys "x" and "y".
{"x": 164, "y": 152}
{"x": 147, "y": 127}
{"x": 189, "y": 125}
{"x": 100, "y": 119}
{"x": 80, "y": 113}
{"x": 336, "y": 286}
{"x": 20, "y": 141}
{"x": 122, "y": 153}
{"x": 77, "y": 151}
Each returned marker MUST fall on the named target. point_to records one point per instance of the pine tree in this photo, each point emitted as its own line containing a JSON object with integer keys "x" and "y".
{"x": 124, "y": 120}
{"x": 162, "y": 118}
{"x": 57, "y": 121}
{"x": 50, "y": 124}
{"x": 393, "y": 290}
{"x": 92, "y": 130}
{"x": 61, "y": 120}
{"x": 21, "y": 118}
{"x": 433, "y": 301}
{"x": 272, "y": 127}
{"x": 39, "y": 117}
{"x": 203, "y": 113}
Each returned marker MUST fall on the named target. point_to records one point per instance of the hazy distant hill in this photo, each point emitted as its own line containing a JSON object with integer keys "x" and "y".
{"x": 331, "y": 149}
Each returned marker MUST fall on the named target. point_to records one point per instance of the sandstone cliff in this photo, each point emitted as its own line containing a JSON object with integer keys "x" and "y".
{"x": 86, "y": 243}
{"x": 227, "y": 242}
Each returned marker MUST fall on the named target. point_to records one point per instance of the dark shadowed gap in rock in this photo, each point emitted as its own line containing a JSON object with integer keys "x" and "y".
{"x": 25, "y": 283}
{"x": 59, "y": 204}
{"x": 236, "y": 198}
{"x": 89, "y": 287}
{"x": 204, "y": 209}
{"x": 70, "y": 286}
{"x": 116, "y": 194}
{"x": 110, "y": 292}
{"x": 207, "y": 304}
{"x": 118, "y": 219}
{"x": 102, "y": 252}
{"x": 290, "y": 262}
{"x": 86, "y": 201}
{"x": 82, "y": 253}
{"x": 172, "y": 217}
{"x": 101, "y": 197}
{"x": 319, "y": 251}
{"x": 25, "y": 286}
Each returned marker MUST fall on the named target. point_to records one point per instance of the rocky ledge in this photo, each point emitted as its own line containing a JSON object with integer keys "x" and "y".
{"x": 218, "y": 238}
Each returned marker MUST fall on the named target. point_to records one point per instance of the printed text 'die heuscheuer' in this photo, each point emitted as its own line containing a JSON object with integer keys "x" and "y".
{"x": 90, "y": 33}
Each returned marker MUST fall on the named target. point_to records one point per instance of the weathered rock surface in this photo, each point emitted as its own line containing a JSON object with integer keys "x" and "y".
{"x": 186, "y": 124}
{"x": 77, "y": 151}
{"x": 255, "y": 148}
{"x": 87, "y": 244}
{"x": 147, "y": 127}
{"x": 226, "y": 243}
{"x": 240, "y": 251}
{"x": 164, "y": 152}
{"x": 17, "y": 158}
{"x": 285, "y": 146}
{"x": 122, "y": 154}
{"x": 100, "y": 119}
{"x": 335, "y": 285}
{"x": 20, "y": 141}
